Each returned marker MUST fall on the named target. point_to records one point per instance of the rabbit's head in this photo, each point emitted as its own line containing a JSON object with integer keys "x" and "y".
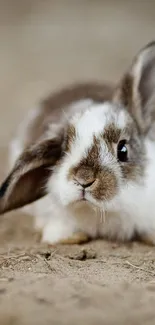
{"x": 103, "y": 150}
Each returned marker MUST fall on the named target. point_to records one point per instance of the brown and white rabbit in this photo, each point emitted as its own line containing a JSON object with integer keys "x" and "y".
{"x": 88, "y": 154}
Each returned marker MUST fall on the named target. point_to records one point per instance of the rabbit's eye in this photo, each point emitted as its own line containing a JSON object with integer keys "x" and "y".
{"x": 122, "y": 151}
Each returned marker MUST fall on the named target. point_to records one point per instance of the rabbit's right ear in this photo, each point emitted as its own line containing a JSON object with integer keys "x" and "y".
{"x": 27, "y": 181}
{"x": 136, "y": 90}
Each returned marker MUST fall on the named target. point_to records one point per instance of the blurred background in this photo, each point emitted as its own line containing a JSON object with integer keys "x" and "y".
{"x": 45, "y": 44}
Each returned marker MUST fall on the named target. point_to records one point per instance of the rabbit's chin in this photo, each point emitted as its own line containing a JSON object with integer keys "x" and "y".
{"x": 85, "y": 205}
{"x": 81, "y": 204}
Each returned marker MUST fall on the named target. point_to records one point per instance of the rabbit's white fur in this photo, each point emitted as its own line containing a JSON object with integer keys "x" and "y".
{"x": 132, "y": 209}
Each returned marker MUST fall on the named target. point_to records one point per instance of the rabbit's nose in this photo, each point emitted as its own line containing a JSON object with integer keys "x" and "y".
{"x": 85, "y": 183}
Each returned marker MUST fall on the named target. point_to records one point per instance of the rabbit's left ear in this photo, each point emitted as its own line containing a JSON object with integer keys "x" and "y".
{"x": 137, "y": 88}
{"x": 27, "y": 181}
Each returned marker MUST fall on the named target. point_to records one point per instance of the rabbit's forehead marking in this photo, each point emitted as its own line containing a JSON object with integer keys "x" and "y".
{"x": 95, "y": 119}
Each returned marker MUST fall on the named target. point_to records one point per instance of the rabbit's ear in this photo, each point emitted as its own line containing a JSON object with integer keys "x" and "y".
{"x": 27, "y": 181}
{"x": 137, "y": 88}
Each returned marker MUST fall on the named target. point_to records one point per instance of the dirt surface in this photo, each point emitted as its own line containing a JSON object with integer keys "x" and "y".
{"x": 96, "y": 283}
{"x": 46, "y": 44}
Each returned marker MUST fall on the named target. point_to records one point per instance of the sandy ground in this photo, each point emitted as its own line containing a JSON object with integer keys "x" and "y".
{"x": 44, "y": 45}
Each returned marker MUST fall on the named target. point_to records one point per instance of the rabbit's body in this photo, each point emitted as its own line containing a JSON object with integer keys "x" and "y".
{"x": 130, "y": 213}
{"x": 88, "y": 154}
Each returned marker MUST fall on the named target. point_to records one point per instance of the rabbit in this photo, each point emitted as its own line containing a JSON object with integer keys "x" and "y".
{"x": 84, "y": 161}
